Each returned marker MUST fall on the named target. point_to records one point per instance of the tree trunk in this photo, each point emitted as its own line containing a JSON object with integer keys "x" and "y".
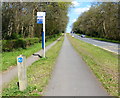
{"x": 104, "y": 27}
{"x": 33, "y": 24}
{"x": 22, "y": 30}
{"x": 17, "y": 23}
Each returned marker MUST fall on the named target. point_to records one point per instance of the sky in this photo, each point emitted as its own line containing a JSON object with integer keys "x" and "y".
{"x": 75, "y": 11}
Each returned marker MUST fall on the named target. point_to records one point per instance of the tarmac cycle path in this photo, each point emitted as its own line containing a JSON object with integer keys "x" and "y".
{"x": 72, "y": 77}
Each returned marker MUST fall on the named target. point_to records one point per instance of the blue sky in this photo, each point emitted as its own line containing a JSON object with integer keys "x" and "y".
{"x": 75, "y": 11}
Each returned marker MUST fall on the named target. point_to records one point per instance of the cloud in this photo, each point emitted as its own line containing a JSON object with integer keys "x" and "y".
{"x": 68, "y": 14}
{"x": 81, "y": 10}
{"x": 75, "y": 3}
{"x": 74, "y": 20}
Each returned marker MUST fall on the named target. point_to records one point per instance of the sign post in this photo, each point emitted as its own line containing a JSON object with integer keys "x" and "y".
{"x": 22, "y": 77}
{"x": 41, "y": 20}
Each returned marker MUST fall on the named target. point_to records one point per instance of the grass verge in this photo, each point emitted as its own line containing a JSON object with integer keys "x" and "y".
{"x": 38, "y": 75}
{"x": 106, "y": 40}
{"x": 103, "y": 63}
{"x": 9, "y": 58}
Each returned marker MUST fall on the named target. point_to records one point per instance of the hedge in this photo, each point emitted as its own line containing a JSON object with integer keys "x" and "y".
{"x": 10, "y": 45}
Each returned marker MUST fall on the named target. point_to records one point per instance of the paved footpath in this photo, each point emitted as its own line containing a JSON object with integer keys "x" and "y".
{"x": 7, "y": 76}
{"x": 72, "y": 77}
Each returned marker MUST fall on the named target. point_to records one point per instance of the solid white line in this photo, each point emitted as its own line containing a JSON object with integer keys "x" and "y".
{"x": 102, "y": 47}
{"x": 106, "y": 49}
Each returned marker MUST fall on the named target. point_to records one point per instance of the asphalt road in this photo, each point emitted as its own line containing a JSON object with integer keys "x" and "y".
{"x": 112, "y": 47}
{"x": 72, "y": 77}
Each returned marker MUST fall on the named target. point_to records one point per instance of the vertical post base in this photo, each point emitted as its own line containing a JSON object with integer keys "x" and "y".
{"x": 22, "y": 76}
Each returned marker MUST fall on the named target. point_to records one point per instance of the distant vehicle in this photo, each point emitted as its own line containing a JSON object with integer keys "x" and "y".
{"x": 83, "y": 36}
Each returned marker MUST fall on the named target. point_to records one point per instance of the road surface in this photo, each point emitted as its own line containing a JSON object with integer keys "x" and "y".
{"x": 112, "y": 47}
{"x": 72, "y": 77}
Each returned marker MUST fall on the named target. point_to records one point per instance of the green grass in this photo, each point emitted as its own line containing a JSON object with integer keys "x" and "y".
{"x": 38, "y": 75}
{"x": 103, "y": 39}
{"x": 104, "y": 64}
{"x": 9, "y": 58}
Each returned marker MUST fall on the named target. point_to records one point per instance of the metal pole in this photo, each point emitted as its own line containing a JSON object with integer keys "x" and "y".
{"x": 44, "y": 34}
{"x": 41, "y": 20}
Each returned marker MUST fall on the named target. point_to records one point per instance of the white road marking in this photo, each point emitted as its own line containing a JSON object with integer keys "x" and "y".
{"x": 103, "y": 47}
{"x": 106, "y": 49}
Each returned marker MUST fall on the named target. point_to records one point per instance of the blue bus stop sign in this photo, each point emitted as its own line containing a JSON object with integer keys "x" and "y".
{"x": 20, "y": 60}
{"x": 40, "y": 21}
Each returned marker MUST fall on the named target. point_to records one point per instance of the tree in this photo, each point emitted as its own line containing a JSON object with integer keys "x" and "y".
{"x": 19, "y": 19}
{"x": 100, "y": 21}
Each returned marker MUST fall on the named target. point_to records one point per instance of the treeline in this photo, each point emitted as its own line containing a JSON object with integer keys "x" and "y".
{"x": 101, "y": 20}
{"x": 19, "y": 19}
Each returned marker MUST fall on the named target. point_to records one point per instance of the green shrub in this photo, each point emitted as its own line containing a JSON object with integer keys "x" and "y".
{"x": 20, "y": 43}
{"x": 7, "y": 45}
{"x": 10, "y": 45}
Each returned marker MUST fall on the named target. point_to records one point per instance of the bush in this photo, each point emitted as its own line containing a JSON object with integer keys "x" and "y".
{"x": 52, "y": 36}
{"x": 7, "y": 45}
{"x": 20, "y": 43}
{"x": 10, "y": 45}
{"x": 31, "y": 41}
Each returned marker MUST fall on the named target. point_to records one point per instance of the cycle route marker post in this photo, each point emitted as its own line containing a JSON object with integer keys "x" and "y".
{"x": 22, "y": 76}
{"x": 41, "y": 20}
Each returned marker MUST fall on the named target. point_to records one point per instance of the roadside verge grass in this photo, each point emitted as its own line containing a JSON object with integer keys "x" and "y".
{"x": 9, "y": 58}
{"x": 38, "y": 74}
{"x": 106, "y": 40}
{"x": 103, "y": 39}
{"x": 104, "y": 64}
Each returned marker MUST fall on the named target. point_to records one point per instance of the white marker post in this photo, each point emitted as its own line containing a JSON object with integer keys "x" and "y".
{"x": 41, "y": 20}
{"x": 44, "y": 33}
{"x": 22, "y": 77}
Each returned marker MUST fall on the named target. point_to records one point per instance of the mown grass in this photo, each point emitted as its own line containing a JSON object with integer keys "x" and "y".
{"x": 107, "y": 40}
{"x": 9, "y": 58}
{"x": 103, "y": 63}
{"x": 103, "y": 39}
{"x": 38, "y": 75}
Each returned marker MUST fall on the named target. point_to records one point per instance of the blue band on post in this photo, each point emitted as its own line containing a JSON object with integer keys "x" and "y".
{"x": 42, "y": 40}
